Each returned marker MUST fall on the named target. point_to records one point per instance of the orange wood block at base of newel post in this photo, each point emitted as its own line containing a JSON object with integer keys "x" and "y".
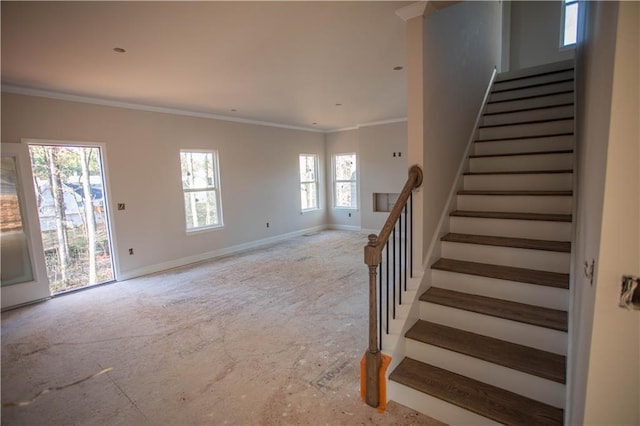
{"x": 384, "y": 364}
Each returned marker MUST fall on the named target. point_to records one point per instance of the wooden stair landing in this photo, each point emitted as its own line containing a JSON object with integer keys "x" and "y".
{"x": 483, "y": 399}
{"x": 511, "y": 355}
{"x": 528, "y": 314}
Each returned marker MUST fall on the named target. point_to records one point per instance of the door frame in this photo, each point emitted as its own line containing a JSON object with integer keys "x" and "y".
{"x": 38, "y": 288}
{"x": 115, "y": 264}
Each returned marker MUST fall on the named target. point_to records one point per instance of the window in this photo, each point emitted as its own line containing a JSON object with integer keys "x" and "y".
{"x": 201, "y": 189}
{"x": 569, "y": 22}
{"x": 345, "y": 181}
{"x": 309, "y": 182}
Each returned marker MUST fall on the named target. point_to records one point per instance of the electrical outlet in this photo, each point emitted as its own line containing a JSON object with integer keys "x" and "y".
{"x": 120, "y": 206}
{"x": 130, "y": 251}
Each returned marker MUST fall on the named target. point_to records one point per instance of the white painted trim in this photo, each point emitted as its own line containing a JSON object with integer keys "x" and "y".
{"x": 412, "y": 11}
{"x": 128, "y": 105}
{"x": 214, "y": 254}
{"x": 344, "y": 227}
{"x": 372, "y": 123}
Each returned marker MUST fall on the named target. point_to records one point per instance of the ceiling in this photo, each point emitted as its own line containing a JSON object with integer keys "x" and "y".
{"x": 287, "y": 63}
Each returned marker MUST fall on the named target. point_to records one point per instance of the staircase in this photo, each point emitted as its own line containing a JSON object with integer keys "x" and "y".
{"x": 490, "y": 346}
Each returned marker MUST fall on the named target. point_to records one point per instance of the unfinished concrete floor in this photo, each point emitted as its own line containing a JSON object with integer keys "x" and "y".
{"x": 270, "y": 336}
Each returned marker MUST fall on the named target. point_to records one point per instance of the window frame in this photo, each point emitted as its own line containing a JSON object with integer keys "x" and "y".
{"x": 215, "y": 188}
{"x": 564, "y": 4}
{"x": 315, "y": 182}
{"x": 352, "y": 181}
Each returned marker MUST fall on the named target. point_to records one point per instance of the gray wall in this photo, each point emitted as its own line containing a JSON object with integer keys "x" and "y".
{"x": 378, "y": 170}
{"x": 535, "y": 34}
{"x": 461, "y": 48}
{"x": 258, "y": 167}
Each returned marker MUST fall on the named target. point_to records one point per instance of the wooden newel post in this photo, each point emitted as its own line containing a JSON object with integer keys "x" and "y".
{"x": 373, "y": 257}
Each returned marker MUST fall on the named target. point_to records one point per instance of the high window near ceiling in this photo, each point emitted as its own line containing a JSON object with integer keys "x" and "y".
{"x": 345, "y": 182}
{"x": 201, "y": 189}
{"x": 309, "y": 182}
{"x": 569, "y": 23}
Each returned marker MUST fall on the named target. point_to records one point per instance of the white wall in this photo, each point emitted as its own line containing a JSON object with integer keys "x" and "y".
{"x": 604, "y": 370}
{"x": 258, "y": 166}
{"x": 378, "y": 170}
{"x": 461, "y": 48}
{"x": 535, "y": 34}
{"x": 381, "y": 171}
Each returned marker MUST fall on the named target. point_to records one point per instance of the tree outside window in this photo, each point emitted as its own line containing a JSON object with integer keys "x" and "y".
{"x": 201, "y": 189}
{"x": 345, "y": 181}
{"x": 308, "y": 182}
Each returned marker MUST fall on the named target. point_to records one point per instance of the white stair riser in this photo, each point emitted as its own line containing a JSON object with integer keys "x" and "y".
{"x": 530, "y": 115}
{"x": 534, "y": 387}
{"x": 516, "y": 182}
{"x": 535, "y": 79}
{"x": 526, "y": 130}
{"x": 507, "y": 256}
{"x": 531, "y": 91}
{"x": 549, "y": 143}
{"x": 543, "y": 101}
{"x": 514, "y": 291}
{"x": 512, "y": 331}
{"x": 516, "y": 203}
{"x": 434, "y": 407}
{"x": 536, "y": 229}
{"x": 522, "y": 162}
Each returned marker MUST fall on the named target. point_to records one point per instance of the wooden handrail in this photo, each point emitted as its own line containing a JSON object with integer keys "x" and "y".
{"x": 373, "y": 258}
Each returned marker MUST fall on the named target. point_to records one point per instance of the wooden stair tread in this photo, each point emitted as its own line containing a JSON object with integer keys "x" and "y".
{"x": 528, "y": 314}
{"x": 521, "y": 123}
{"x": 520, "y": 172}
{"x": 533, "y": 96}
{"x": 511, "y": 138}
{"x": 511, "y": 355}
{"x": 520, "y": 193}
{"x": 522, "y": 243}
{"x": 548, "y": 217}
{"x": 483, "y": 399}
{"x": 509, "y": 273}
{"x": 525, "y": 109}
{"x": 504, "y": 77}
{"x": 517, "y": 154}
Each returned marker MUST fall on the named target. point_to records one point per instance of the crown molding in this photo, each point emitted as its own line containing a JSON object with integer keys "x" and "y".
{"x": 369, "y": 124}
{"x": 19, "y": 90}
{"x": 413, "y": 10}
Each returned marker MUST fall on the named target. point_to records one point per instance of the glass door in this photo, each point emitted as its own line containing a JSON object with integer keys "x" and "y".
{"x": 72, "y": 208}
{"x": 23, "y": 276}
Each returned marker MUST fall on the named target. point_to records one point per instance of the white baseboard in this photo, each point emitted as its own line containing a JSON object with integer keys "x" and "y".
{"x": 343, "y": 227}
{"x": 146, "y": 270}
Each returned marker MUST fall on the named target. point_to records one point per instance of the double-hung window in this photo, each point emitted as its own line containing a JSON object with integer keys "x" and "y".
{"x": 309, "y": 182}
{"x": 201, "y": 189}
{"x": 569, "y": 22}
{"x": 345, "y": 181}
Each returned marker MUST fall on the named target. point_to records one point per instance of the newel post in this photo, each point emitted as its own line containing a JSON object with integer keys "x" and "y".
{"x": 373, "y": 257}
